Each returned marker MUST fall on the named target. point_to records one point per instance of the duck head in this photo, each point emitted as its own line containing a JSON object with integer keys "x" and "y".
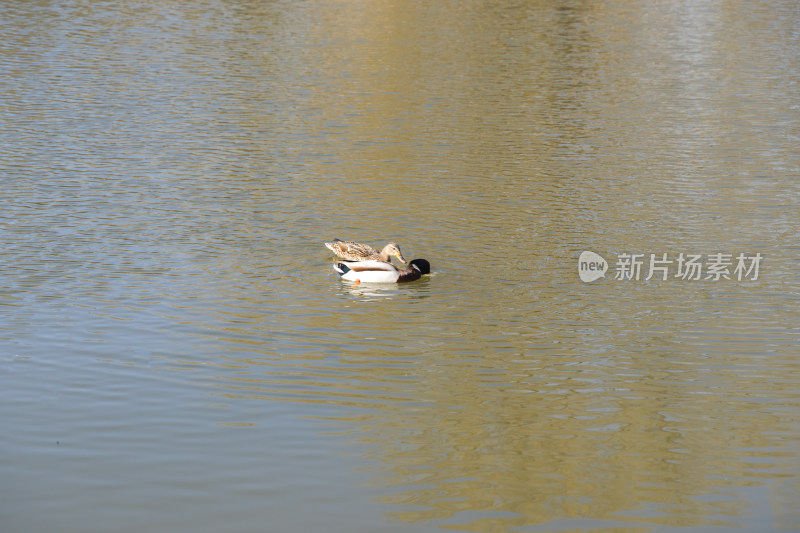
{"x": 421, "y": 265}
{"x": 392, "y": 250}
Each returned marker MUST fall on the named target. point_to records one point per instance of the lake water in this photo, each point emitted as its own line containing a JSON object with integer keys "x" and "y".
{"x": 177, "y": 354}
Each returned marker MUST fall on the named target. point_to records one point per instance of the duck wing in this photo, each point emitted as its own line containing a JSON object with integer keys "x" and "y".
{"x": 352, "y": 251}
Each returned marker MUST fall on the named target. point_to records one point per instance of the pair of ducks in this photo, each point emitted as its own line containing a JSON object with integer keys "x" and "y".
{"x": 364, "y": 263}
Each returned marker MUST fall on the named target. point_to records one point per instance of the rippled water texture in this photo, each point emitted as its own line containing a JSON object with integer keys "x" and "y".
{"x": 176, "y": 353}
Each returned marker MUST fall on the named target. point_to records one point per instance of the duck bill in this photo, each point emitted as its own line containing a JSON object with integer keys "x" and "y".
{"x": 400, "y": 258}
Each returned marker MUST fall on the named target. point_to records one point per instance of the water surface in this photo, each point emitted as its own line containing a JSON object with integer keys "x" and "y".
{"x": 177, "y": 354}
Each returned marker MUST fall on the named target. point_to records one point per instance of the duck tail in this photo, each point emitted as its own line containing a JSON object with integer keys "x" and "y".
{"x": 333, "y": 245}
{"x": 341, "y": 268}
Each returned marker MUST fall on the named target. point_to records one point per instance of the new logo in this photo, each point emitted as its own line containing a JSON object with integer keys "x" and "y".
{"x": 591, "y": 266}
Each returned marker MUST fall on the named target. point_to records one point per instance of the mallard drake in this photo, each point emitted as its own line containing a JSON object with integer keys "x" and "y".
{"x": 381, "y": 271}
{"x": 354, "y": 251}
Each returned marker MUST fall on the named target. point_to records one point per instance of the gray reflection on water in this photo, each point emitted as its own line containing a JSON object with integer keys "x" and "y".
{"x": 171, "y": 171}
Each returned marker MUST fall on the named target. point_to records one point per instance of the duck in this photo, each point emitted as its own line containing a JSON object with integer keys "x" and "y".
{"x": 354, "y": 251}
{"x": 372, "y": 271}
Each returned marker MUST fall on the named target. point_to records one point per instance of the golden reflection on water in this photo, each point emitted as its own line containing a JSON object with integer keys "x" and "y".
{"x": 516, "y": 397}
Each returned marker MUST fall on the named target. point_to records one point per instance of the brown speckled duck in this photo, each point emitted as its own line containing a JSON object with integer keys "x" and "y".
{"x": 354, "y": 251}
